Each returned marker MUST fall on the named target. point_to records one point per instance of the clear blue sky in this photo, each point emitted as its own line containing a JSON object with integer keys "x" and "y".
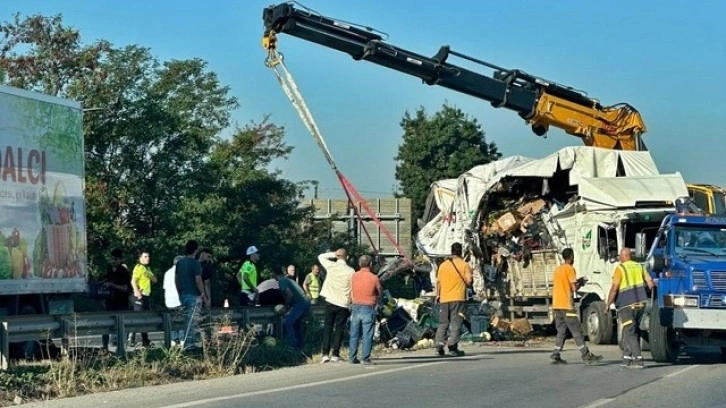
{"x": 666, "y": 58}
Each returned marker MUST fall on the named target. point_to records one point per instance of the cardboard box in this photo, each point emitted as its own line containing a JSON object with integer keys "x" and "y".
{"x": 491, "y": 229}
{"x": 509, "y": 221}
{"x": 501, "y": 324}
{"x": 521, "y": 326}
{"x": 532, "y": 207}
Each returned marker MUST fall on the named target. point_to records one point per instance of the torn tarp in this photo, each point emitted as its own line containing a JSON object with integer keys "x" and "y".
{"x": 508, "y": 208}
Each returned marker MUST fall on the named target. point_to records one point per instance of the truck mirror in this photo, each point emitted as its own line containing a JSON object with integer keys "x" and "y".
{"x": 640, "y": 245}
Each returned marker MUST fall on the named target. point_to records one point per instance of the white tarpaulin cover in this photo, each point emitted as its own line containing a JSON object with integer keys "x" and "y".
{"x": 585, "y": 163}
{"x": 627, "y": 192}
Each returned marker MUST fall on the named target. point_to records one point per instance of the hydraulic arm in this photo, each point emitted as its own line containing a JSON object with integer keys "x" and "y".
{"x": 539, "y": 102}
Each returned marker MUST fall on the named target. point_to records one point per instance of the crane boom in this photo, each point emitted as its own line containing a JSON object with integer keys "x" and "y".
{"x": 539, "y": 102}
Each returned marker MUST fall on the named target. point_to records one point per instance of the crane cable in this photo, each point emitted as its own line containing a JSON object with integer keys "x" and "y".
{"x": 276, "y": 61}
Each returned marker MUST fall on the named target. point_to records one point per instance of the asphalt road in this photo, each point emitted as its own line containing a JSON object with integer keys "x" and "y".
{"x": 487, "y": 377}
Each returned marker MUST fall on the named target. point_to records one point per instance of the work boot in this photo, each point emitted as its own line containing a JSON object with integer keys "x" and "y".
{"x": 556, "y": 359}
{"x": 590, "y": 358}
{"x": 440, "y": 351}
{"x": 627, "y": 361}
{"x": 637, "y": 363}
{"x": 456, "y": 352}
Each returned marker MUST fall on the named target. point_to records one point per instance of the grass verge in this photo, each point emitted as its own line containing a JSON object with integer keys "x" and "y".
{"x": 86, "y": 370}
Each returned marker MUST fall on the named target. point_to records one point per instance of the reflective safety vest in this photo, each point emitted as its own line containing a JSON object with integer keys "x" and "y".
{"x": 314, "y": 286}
{"x": 632, "y": 285}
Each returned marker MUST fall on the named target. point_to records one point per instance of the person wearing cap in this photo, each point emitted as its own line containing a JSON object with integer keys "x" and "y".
{"x": 247, "y": 277}
{"x": 171, "y": 298}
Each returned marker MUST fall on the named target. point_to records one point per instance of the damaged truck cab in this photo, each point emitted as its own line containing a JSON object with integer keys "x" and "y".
{"x": 515, "y": 216}
{"x": 596, "y": 226}
{"x": 598, "y": 237}
{"x": 688, "y": 262}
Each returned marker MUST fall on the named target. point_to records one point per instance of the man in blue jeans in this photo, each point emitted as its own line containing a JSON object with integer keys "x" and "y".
{"x": 296, "y": 304}
{"x": 365, "y": 290}
{"x": 191, "y": 291}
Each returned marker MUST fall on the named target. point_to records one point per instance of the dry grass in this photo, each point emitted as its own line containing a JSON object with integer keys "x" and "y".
{"x": 85, "y": 370}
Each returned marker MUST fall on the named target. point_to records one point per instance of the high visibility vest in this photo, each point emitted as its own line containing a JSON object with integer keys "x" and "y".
{"x": 632, "y": 285}
{"x": 248, "y": 268}
{"x": 314, "y": 286}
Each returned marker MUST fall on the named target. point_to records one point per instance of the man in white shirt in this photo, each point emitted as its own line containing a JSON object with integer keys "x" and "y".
{"x": 336, "y": 292}
{"x": 171, "y": 299}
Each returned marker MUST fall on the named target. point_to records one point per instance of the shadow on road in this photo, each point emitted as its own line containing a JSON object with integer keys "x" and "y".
{"x": 514, "y": 351}
{"x": 430, "y": 359}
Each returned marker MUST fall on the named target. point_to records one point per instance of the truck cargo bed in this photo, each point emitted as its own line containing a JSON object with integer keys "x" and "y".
{"x": 535, "y": 280}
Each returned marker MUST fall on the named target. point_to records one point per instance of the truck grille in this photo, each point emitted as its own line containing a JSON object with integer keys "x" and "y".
{"x": 699, "y": 279}
{"x": 718, "y": 280}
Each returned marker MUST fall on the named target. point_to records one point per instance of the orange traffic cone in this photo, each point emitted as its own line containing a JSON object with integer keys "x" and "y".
{"x": 226, "y": 328}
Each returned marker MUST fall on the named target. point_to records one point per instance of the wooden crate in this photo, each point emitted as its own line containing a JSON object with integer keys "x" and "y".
{"x": 536, "y": 279}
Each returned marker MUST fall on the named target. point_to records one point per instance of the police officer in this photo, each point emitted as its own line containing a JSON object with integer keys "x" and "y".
{"x": 628, "y": 293}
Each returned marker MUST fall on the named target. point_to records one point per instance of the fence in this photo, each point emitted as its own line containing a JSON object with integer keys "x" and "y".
{"x": 15, "y": 329}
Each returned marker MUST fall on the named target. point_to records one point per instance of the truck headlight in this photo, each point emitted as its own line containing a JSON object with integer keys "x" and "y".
{"x": 680, "y": 301}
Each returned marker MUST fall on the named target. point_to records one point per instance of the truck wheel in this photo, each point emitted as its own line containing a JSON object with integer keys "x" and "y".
{"x": 599, "y": 324}
{"x": 663, "y": 345}
{"x": 644, "y": 341}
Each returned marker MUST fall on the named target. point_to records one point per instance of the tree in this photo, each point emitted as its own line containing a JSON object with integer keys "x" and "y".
{"x": 157, "y": 170}
{"x": 438, "y": 147}
{"x": 41, "y": 54}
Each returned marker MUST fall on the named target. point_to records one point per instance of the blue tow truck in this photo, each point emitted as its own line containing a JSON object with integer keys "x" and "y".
{"x": 688, "y": 261}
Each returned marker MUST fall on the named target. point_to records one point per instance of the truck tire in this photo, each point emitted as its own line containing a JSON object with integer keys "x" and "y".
{"x": 644, "y": 341}
{"x": 599, "y": 325}
{"x": 663, "y": 345}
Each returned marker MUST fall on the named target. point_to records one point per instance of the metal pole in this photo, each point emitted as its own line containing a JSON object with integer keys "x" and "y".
{"x": 4, "y": 347}
{"x": 166, "y": 322}
{"x": 120, "y": 336}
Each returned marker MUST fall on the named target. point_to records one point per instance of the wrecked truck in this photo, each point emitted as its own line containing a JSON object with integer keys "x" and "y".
{"x": 514, "y": 217}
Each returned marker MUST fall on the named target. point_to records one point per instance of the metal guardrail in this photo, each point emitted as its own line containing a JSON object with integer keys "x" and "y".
{"x": 23, "y": 328}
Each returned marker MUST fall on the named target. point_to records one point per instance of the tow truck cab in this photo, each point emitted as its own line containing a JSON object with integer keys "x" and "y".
{"x": 688, "y": 262}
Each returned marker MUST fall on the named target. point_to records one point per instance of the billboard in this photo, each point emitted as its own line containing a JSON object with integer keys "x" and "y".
{"x": 42, "y": 211}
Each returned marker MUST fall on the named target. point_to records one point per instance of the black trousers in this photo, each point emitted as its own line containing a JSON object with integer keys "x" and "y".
{"x": 629, "y": 319}
{"x": 140, "y": 305}
{"x": 335, "y": 320}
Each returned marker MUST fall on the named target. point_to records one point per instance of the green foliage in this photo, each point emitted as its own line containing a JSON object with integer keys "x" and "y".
{"x": 438, "y": 147}
{"x": 157, "y": 170}
{"x": 41, "y": 54}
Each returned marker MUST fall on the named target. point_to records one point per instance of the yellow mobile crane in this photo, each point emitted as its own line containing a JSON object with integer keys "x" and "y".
{"x": 540, "y": 102}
